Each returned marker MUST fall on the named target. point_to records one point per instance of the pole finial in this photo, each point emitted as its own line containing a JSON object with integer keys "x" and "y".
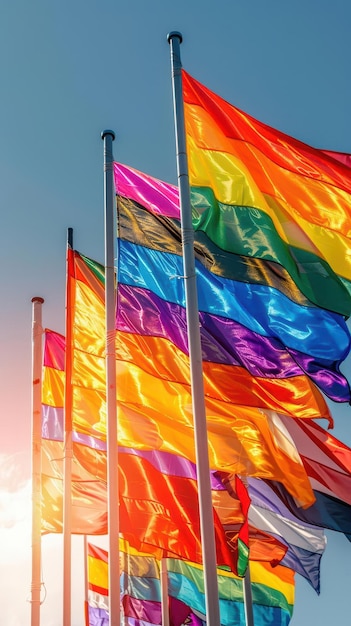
{"x": 37, "y": 299}
{"x": 108, "y": 132}
{"x": 174, "y": 33}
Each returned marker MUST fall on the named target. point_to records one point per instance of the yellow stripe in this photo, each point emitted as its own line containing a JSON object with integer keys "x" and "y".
{"x": 97, "y": 572}
{"x": 280, "y": 578}
{"x": 53, "y": 387}
{"x": 307, "y": 213}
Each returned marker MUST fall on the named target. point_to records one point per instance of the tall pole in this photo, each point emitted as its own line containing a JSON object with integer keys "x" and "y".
{"x": 86, "y": 582}
{"x": 164, "y": 592}
{"x": 68, "y": 449}
{"x": 194, "y": 341}
{"x": 108, "y": 137}
{"x": 37, "y": 333}
{"x": 247, "y": 592}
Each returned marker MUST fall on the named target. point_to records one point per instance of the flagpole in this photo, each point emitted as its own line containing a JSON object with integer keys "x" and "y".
{"x": 37, "y": 359}
{"x": 164, "y": 592}
{"x": 247, "y": 592}
{"x": 68, "y": 449}
{"x": 86, "y": 584}
{"x": 195, "y": 353}
{"x": 108, "y": 137}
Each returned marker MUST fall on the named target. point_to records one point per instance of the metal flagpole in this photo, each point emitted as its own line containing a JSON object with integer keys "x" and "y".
{"x": 164, "y": 592}
{"x": 86, "y": 582}
{"x": 247, "y": 591}
{"x": 108, "y": 137}
{"x": 37, "y": 332}
{"x": 68, "y": 450}
{"x": 194, "y": 341}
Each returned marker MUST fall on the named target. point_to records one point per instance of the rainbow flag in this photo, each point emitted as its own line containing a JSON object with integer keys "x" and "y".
{"x": 154, "y": 413}
{"x": 97, "y": 572}
{"x": 272, "y": 589}
{"x": 272, "y": 592}
{"x": 270, "y": 198}
{"x": 157, "y": 508}
{"x": 89, "y": 515}
{"x": 249, "y": 329}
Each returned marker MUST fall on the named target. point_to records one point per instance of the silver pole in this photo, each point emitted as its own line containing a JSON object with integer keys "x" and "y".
{"x": 68, "y": 448}
{"x": 108, "y": 137}
{"x": 247, "y": 592}
{"x": 86, "y": 581}
{"x": 37, "y": 332}
{"x": 194, "y": 341}
{"x": 164, "y": 592}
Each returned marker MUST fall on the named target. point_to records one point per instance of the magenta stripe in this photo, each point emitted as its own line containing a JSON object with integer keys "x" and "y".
{"x": 54, "y": 350}
{"x": 142, "y": 609}
{"x": 159, "y": 197}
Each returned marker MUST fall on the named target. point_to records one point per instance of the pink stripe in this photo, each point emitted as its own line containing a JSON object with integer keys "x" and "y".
{"x": 54, "y": 350}
{"x": 159, "y": 197}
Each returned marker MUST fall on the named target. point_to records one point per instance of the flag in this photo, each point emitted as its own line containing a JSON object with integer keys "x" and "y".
{"x": 157, "y": 508}
{"x": 140, "y": 589}
{"x": 89, "y": 515}
{"x": 305, "y": 543}
{"x": 328, "y": 464}
{"x": 245, "y": 324}
{"x": 158, "y": 500}
{"x": 97, "y": 571}
{"x": 154, "y": 413}
{"x": 272, "y": 592}
{"x": 272, "y": 589}
{"x": 264, "y": 195}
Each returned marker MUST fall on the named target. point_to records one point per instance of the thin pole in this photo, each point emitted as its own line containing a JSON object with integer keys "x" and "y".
{"x": 247, "y": 592}
{"x": 86, "y": 582}
{"x": 68, "y": 449}
{"x": 195, "y": 354}
{"x": 164, "y": 592}
{"x": 37, "y": 332}
{"x": 108, "y": 137}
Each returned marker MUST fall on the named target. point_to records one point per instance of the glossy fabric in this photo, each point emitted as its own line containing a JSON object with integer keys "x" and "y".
{"x": 326, "y": 459}
{"x": 305, "y": 542}
{"x": 224, "y": 341}
{"x": 148, "y": 231}
{"x": 259, "y": 308}
{"x": 149, "y": 407}
{"x": 89, "y": 513}
{"x": 305, "y": 192}
{"x": 271, "y": 588}
{"x": 272, "y": 597}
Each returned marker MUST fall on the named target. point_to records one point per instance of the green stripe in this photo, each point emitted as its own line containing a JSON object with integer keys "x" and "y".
{"x": 250, "y": 232}
{"x": 243, "y": 557}
{"x": 139, "y": 226}
{"x": 230, "y": 588}
{"x": 96, "y": 268}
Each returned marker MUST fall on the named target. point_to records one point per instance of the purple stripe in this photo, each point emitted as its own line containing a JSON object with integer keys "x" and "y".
{"x": 52, "y": 422}
{"x": 263, "y": 496}
{"x": 223, "y": 340}
{"x": 144, "y": 610}
{"x": 159, "y": 197}
{"x": 138, "y": 622}
{"x": 98, "y": 617}
{"x": 172, "y": 465}
{"x": 164, "y": 462}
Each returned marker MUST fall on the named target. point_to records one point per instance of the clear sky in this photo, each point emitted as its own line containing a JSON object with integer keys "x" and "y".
{"x": 69, "y": 70}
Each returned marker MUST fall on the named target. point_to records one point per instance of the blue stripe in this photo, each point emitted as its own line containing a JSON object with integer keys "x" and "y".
{"x": 262, "y": 309}
{"x": 231, "y": 612}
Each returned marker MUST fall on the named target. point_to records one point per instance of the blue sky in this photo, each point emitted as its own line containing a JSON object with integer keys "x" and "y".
{"x": 70, "y": 70}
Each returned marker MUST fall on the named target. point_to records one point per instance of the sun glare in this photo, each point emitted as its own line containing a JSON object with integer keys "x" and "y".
{"x": 15, "y": 509}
